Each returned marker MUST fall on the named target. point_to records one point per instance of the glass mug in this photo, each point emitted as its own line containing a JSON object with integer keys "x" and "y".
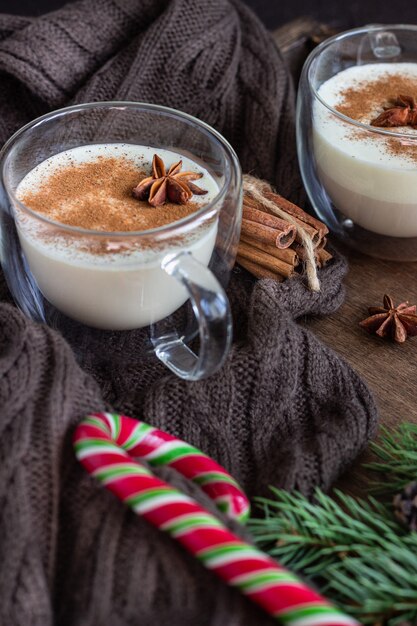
{"x": 360, "y": 179}
{"x": 157, "y": 289}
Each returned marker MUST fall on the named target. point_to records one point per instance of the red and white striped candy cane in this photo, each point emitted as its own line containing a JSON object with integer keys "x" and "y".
{"x": 110, "y": 447}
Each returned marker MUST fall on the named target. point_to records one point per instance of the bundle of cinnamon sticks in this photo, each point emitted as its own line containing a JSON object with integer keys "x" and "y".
{"x": 270, "y": 246}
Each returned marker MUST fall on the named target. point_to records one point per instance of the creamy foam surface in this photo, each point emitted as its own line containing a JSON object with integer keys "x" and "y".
{"x": 113, "y": 283}
{"x": 68, "y": 207}
{"x": 373, "y": 147}
{"x": 370, "y": 177}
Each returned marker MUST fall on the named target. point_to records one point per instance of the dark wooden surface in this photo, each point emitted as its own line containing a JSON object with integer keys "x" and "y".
{"x": 389, "y": 369}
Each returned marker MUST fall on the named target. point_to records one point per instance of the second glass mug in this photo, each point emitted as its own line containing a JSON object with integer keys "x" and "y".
{"x": 168, "y": 281}
{"x": 361, "y": 179}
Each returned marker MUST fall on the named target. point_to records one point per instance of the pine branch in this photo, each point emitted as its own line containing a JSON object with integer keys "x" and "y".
{"x": 353, "y": 550}
{"x": 397, "y": 454}
{"x": 377, "y": 587}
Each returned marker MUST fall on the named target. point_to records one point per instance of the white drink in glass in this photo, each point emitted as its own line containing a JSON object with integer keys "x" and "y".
{"x": 366, "y": 179}
{"x": 120, "y": 290}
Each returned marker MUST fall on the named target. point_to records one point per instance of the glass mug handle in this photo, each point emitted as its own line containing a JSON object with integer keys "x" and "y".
{"x": 212, "y": 310}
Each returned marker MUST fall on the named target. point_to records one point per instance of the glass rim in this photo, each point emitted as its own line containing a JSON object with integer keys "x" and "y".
{"x": 170, "y": 229}
{"x": 339, "y": 37}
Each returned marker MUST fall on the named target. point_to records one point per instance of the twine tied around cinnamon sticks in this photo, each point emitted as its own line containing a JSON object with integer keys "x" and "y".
{"x": 270, "y": 225}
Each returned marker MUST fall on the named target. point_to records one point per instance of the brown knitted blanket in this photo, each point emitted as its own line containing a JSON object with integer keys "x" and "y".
{"x": 285, "y": 410}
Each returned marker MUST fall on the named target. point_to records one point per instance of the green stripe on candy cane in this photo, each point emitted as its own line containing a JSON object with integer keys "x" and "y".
{"x": 107, "y": 474}
{"x": 308, "y": 615}
{"x": 191, "y": 521}
{"x": 255, "y": 580}
{"x": 210, "y": 477}
{"x": 111, "y": 447}
{"x": 137, "y": 435}
{"x": 172, "y": 451}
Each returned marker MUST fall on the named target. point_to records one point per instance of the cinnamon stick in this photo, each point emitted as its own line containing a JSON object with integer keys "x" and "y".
{"x": 323, "y": 257}
{"x": 250, "y": 202}
{"x": 296, "y": 211}
{"x": 288, "y": 255}
{"x": 312, "y": 232}
{"x": 286, "y": 232}
{"x": 264, "y": 216}
{"x": 265, "y": 260}
{"x": 268, "y": 235}
{"x": 257, "y": 270}
{"x": 301, "y": 252}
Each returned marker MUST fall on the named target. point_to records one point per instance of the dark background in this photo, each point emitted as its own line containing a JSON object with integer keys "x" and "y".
{"x": 276, "y": 12}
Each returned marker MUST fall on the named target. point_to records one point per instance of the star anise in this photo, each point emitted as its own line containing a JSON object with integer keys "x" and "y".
{"x": 174, "y": 185}
{"x": 401, "y": 112}
{"x": 390, "y": 321}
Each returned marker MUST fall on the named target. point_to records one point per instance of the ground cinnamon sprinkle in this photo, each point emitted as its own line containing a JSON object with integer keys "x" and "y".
{"x": 366, "y": 100}
{"x": 97, "y": 195}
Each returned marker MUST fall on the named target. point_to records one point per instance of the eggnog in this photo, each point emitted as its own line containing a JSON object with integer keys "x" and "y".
{"x": 109, "y": 282}
{"x": 371, "y": 177}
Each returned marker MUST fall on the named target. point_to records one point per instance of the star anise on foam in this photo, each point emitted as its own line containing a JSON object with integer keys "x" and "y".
{"x": 390, "y": 321}
{"x": 174, "y": 185}
{"x": 402, "y": 111}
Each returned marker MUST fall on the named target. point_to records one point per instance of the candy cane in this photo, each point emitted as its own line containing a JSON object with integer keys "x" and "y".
{"x": 109, "y": 446}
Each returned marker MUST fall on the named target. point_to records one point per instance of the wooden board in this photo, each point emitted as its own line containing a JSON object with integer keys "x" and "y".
{"x": 389, "y": 369}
